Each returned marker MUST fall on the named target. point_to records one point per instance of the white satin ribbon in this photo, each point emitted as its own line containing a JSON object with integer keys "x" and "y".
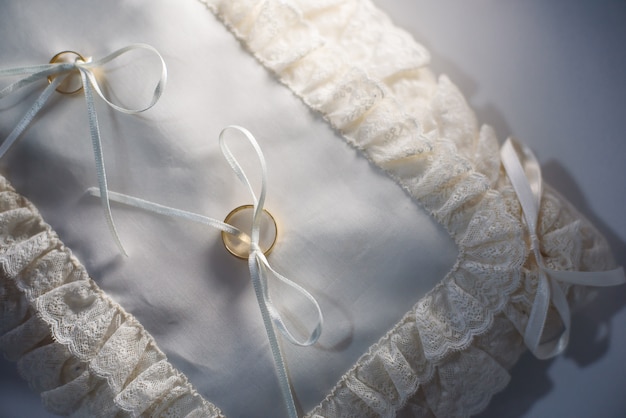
{"x": 526, "y": 181}
{"x": 90, "y": 84}
{"x": 258, "y": 264}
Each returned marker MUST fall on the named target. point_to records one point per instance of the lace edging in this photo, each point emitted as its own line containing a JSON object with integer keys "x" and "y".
{"x": 81, "y": 350}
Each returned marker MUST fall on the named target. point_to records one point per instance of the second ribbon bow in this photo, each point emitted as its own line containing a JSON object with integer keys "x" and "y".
{"x": 57, "y": 73}
{"x": 526, "y": 181}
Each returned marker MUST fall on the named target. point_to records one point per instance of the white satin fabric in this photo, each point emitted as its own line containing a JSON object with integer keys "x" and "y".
{"x": 347, "y": 232}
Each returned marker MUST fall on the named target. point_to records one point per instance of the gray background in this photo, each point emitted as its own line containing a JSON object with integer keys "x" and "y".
{"x": 552, "y": 74}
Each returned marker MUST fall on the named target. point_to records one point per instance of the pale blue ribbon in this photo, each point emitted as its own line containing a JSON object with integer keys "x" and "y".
{"x": 526, "y": 181}
{"x": 258, "y": 264}
{"x": 89, "y": 84}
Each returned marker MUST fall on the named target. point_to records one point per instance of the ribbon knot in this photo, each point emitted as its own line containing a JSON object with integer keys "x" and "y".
{"x": 526, "y": 180}
{"x": 56, "y": 73}
{"x": 258, "y": 265}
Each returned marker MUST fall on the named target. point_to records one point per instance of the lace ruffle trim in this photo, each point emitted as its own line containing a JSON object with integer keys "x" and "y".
{"x": 81, "y": 350}
{"x": 346, "y": 59}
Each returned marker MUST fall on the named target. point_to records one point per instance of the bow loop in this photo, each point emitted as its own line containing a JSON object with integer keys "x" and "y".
{"x": 35, "y": 73}
{"x": 62, "y": 70}
{"x": 89, "y": 66}
{"x": 525, "y": 176}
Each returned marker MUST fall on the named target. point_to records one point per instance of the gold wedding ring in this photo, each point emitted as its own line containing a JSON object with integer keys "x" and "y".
{"x": 71, "y": 84}
{"x": 241, "y": 218}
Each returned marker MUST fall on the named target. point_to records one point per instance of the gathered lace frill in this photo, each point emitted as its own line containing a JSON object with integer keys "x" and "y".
{"x": 72, "y": 343}
{"x": 446, "y": 357}
{"x": 368, "y": 78}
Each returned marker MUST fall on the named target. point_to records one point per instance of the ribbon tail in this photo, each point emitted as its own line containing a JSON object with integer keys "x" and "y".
{"x": 99, "y": 159}
{"x": 166, "y": 210}
{"x": 158, "y": 89}
{"x": 604, "y": 278}
{"x": 35, "y": 72}
{"x": 562, "y": 307}
{"x": 585, "y": 278}
{"x": 256, "y": 274}
{"x": 538, "y": 315}
{"x": 555, "y": 346}
{"x": 29, "y": 116}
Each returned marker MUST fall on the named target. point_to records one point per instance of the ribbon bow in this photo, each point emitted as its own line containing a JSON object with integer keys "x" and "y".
{"x": 526, "y": 181}
{"x": 257, "y": 262}
{"x": 56, "y": 73}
